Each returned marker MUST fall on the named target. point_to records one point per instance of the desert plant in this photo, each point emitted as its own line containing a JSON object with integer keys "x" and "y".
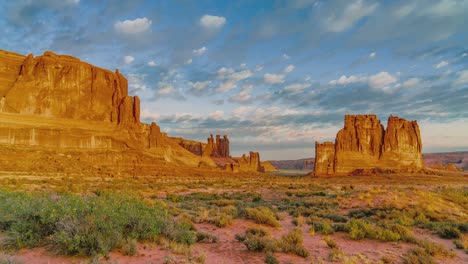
{"x": 292, "y": 243}
{"x": 271, "y": 259}
{"x": 262, "y": 215}
{"x": 330, "y": 242}
{"x": 258, "y": 239}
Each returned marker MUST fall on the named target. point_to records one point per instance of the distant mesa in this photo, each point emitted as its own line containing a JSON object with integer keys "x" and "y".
{"x": 62, "y": 114}
{"x": 364, "y": 145}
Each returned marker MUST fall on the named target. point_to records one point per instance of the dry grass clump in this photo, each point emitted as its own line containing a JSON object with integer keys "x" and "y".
{"x": 262, "y": 215}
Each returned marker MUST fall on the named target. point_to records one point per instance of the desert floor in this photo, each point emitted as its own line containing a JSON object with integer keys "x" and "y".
{"x": 390, "y": 218}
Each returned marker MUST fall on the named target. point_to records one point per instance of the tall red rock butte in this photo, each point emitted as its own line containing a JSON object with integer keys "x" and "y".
{"x": 364, "y": 144}
{"x": 58, "y": 113}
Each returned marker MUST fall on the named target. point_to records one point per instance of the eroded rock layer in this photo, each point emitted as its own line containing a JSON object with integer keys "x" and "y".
{"x": 83, "y": 116}
{"x": 363, "y": 144}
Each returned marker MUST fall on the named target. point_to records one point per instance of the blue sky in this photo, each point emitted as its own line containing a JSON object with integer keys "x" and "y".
{"x": 273, "y": 75}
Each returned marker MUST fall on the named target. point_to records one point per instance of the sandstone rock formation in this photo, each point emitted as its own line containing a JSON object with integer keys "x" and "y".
{"x": 324, "y": 158}
{"x": 64, "y": 87}
{"x": 61, "y": 106}
{"x": 363, "y": 144}
{"x": 218, "y": 148}
{"x": 268, "y": 167}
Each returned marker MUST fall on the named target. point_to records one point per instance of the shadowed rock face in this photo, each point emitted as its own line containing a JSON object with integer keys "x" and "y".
{"x": 218, "y": 148}
{"x": 364, "y": 144}
{"x": 64, "y": 87}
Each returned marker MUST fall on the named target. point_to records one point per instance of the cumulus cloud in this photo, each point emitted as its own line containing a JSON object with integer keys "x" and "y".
{"x": 343, "y": 80}
{"x": 297, "y": 87}
{"x": 289, "y": 68}
{"x": 212, "y": 22}
{"x": 243, "y": 96}
{"x": 462, "y": 77}
{"x": 349, "y": 16}
{"x": 189, "y": 61}
{"x": 136, "y": 26}
{"x": 200, "y": 51}
{"x": 128, "y": 59}
{"x": 242, "y": 111}
{"x": 136, "y": 82}
{"x": 285, "y": 57}
{"x": 164, "y": 88}
{"x": 217, "y": 115}
{"x": 441, "y": 64}
{"x": 273, "y": 78}
{"x": 381, "y": 80}
{"x": 151, "y": 63}
{"x": 199, "y": 85}
{"x": 411, "y": 82}
{"x": 372, "y": 55}
{"x": 231, "y": 78}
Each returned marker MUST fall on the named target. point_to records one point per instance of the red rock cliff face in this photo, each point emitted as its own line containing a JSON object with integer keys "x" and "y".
{"x": 63, "y": 86}
{"x": 218, "y": 148}
{"x": 364, "y": 144}
{"x": 402, "y": 145}
{"x": 358, "y": 144}
{"x": 324, "y": 158}
{"x": 249, "y": 163}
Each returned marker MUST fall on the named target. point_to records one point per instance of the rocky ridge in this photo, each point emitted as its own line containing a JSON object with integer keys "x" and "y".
{"x": 59, "y": 104}
{"x": 364, "y": 144}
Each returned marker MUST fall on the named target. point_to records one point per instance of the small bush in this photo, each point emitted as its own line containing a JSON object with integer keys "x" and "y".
{"x": 222, "y": 220}
{"x": 359, "y": 229}
{"x": 271, "y": 259}
{"x": 448, "y": 232}
{"x": 262, "y": 215}
{"x": 206, "y": 238}
{"x": 292, "y": 243}
{"x": 330, "y": 242}
{"x": 336, "y": 218}
{"x": 435, "y": 249}
{"x": 130, "y": 248}
{"x": 259, "y": 240}
{"x": 323, "y": 228}
{"x": 418, "y": 256}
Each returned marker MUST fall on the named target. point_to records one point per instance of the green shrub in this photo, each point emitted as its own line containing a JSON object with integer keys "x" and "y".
{"x": 222, "y": 220}
{"x": 271, "y": 259}
{"x": 292, "y": 243}
{"x": 206, "y": 238}
{"x": 323, "y": 227}
{"x": 78, "y": 225}
{"x": 418, "y": 256}
{"x": 336, "y": 218}
{"x": 259, "y": 240}
{"x": 448, "y": 231}
{"x": 262, "y": 215}
{"x": 130, "y": 248}
{"x": 435, "y": 249}
{"x": 359, "y": 229}
{"x": 330, "y": 242}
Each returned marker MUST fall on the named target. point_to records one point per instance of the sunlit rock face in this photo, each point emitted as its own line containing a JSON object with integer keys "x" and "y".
{"x": 62, "y": 86}
{"x": 363, "y": 144}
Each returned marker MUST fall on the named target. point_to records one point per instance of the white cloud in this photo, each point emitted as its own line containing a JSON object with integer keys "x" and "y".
{"x": 372, "y": 55}
{"x": 242, "y": 111}
{"x": 200, "y": 51}
{"x": 222, "y": 72}
{"x": 217, "y": 115}
{"x": 441, "y": 64}
{"x": 285, "y": 57}
{"x": 199, "y": 85}
{"x": 289, "y": 68}
{"x": 152, "y": 63}
{"x": 381, "y": 80}
{"x": 464, "y": 55}
{"x": 189, "y": 61}
{"x": 411, "y": 82}
{"x": 136, "y": 26}
{"x": 212, "y": 22}
{"x": 343, "y": 80}
{"x": 231, "y": 78}
{"x": 128, "y": 59}
{"x": 462, "y": 77}
{"x": 165, "y": 88}
{"x": 351, "y": 14}
{"x": 244, "y": 95}
{"x": 297, "y": 87}
{"x": 273, "y": 78}
{"x": 136, "y": 82}
{"x": 259, "y": 68}
{"x": 243, "y": 65}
